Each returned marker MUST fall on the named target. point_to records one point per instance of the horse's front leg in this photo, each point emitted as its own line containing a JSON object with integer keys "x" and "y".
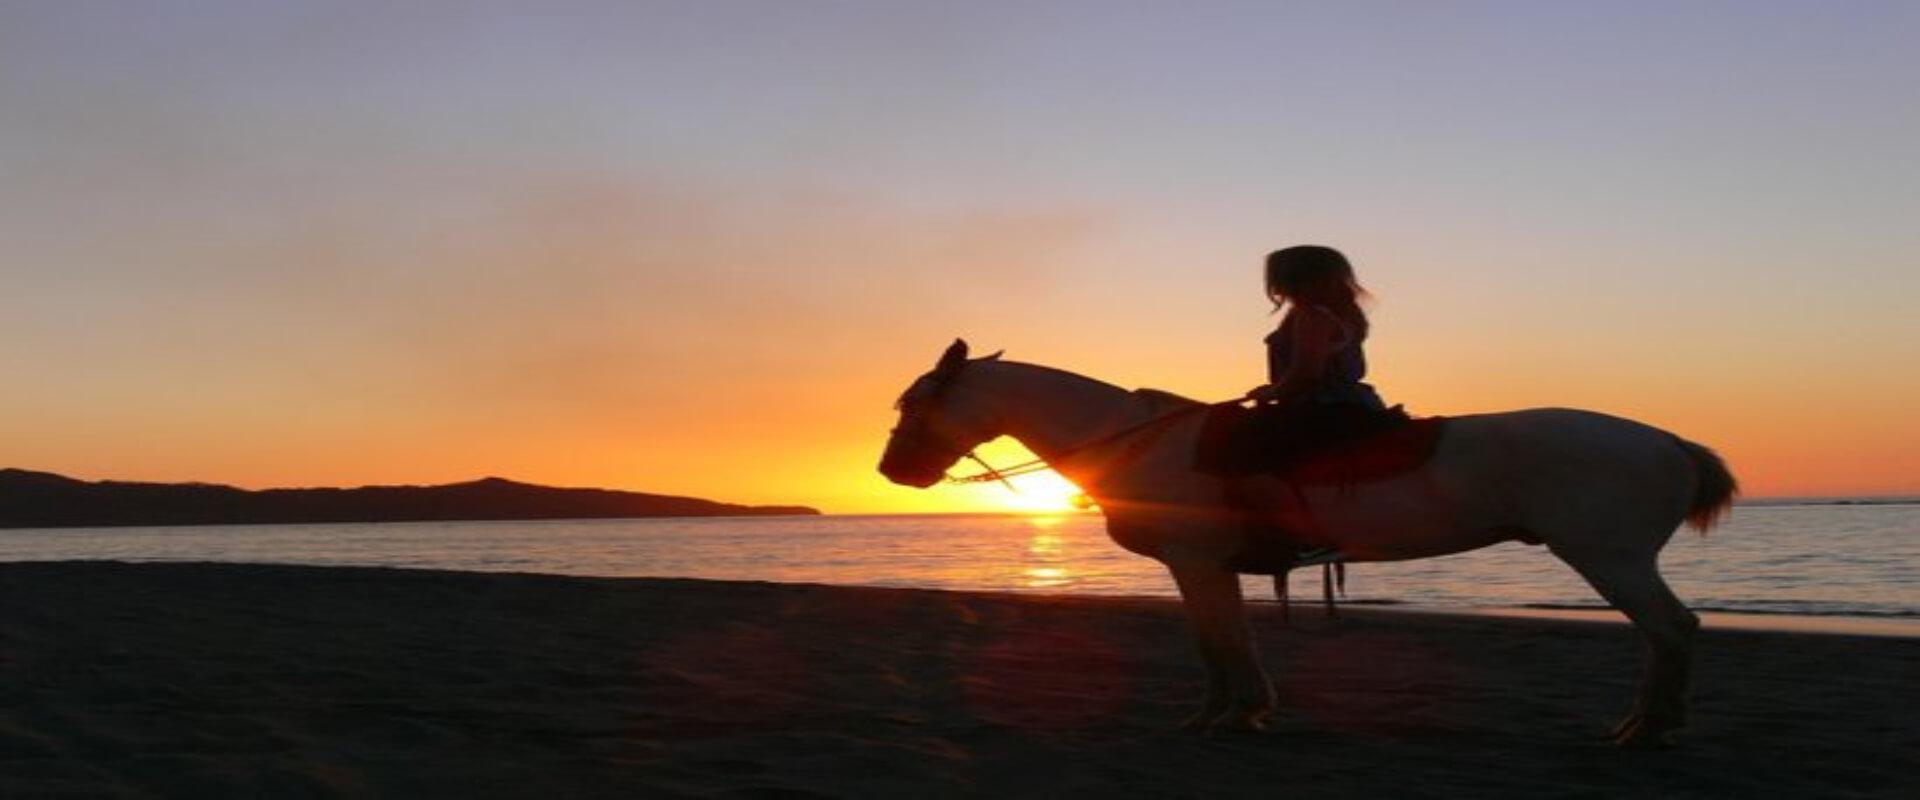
{"x": 1238, "y": 694}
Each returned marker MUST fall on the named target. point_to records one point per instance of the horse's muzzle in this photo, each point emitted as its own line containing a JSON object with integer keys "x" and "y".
{"x": 916, "y": 476}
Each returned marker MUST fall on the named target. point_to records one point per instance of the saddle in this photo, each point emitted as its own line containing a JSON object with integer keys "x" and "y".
{"x": 1330, "y": 446}
{"x": 1322, "y": 447}
{"x": 1379, "y": 455}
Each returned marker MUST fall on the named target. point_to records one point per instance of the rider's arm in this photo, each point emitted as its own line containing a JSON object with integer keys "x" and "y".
{"x": 1315, "y": 335}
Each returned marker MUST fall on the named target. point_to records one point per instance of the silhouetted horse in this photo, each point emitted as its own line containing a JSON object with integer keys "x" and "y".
{"x": 1602, "y": 493}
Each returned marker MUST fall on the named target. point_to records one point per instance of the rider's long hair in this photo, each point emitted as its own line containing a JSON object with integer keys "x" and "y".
{"x": 1313, "y": 275}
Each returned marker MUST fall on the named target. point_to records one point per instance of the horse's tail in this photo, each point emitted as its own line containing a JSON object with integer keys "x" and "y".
{"x": 1714, "y": 486}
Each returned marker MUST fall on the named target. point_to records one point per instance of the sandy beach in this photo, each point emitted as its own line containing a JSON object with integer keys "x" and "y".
{"x": 216, "y": 681}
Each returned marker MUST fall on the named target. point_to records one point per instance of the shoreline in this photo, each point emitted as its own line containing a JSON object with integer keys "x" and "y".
{"x": 222, "y": 680}
{"x": 1750, "y": 622}
{"x": 1835, "y": 625}
{"x": 1306, "y": 603}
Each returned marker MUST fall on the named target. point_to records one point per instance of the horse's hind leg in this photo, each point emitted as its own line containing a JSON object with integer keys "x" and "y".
{"x": 1634, "y": 586}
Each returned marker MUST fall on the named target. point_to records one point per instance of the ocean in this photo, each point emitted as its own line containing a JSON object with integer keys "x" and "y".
{"x": 1835, "y": 561}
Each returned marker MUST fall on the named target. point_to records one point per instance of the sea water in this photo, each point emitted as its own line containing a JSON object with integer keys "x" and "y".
{"x": 1831, "y": 560}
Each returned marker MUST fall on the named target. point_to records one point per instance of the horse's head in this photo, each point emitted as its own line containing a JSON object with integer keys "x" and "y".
{"x": 938, "y": 425}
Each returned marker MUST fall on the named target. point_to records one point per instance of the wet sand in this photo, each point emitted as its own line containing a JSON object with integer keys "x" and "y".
{"x": 199, "y": 680}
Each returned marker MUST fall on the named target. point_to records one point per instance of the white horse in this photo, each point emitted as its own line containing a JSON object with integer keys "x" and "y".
{"x": 1602, "y": 493}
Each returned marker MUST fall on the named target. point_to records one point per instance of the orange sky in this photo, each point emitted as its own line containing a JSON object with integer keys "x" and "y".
{"x": 673, "y": 251}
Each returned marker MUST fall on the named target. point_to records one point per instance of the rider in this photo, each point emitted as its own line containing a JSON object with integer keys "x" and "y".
{"x": 1315, "y": 396}
{"x": 1316, "y": 364}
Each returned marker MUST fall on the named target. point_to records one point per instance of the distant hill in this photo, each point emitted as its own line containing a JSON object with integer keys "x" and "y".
{"x": 45, "y": 500}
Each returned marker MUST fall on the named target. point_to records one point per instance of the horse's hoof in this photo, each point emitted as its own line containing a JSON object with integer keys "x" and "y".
{"x": 1657, "y": 741}
{"x": 1239, "y": 724}
{"x": 1200, "y": 722}
{"x": 1637, "y": 733}
{"x": 1225, "y": 724}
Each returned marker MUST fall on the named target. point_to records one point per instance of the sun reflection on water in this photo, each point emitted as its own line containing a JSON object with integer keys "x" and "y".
{"x": 1047, "y": 559}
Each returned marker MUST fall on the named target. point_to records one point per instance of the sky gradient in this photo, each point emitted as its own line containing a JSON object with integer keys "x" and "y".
{"x": 699, "y": 247}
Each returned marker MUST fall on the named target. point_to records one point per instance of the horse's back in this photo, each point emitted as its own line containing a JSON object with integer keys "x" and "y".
{"x": 1562, "y": 430}
{"x": 1559, "y": 468}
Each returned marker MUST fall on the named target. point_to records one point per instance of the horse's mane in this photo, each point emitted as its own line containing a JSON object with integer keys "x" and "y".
{"x": 1157, "y": 399}
{"x": 1164, "y": 401}
{"x": 1074, "y": 376}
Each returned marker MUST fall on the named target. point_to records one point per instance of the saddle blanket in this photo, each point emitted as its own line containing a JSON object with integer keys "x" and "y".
{"x": 1233, "y": 442}
{"x": 1400, "y": 449}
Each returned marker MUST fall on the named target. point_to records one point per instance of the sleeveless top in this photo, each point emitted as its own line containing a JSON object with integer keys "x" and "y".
{"x": 1343, "y": 382}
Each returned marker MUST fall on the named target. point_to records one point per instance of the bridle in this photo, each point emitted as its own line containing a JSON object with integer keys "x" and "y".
{"x": 992, "y": 473}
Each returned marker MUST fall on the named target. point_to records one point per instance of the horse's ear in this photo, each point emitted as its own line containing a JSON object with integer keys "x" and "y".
{"x": 995, "y": 356}
{"x": 955, "y": 356}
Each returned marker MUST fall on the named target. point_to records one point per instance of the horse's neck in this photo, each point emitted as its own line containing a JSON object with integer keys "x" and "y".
{"x": 1053, "y": 412}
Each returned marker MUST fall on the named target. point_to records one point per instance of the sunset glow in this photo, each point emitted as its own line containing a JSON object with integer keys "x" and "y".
{"x": 1044, "y": 492}
{"x": 685, "y": 249}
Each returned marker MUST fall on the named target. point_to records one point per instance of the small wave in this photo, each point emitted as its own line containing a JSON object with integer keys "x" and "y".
{"x": 1820, "y": 611}
{"x": 1782, "y": 609}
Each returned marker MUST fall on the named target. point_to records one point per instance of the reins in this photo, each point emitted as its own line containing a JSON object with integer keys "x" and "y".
{"x": 992, "y": 474}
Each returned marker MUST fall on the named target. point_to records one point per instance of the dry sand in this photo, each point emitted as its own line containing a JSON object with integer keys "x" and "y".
{"x": 216, "y": 681}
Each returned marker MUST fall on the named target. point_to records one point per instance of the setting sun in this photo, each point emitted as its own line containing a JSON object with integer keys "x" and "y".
{"x": 1044, "y": 492}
